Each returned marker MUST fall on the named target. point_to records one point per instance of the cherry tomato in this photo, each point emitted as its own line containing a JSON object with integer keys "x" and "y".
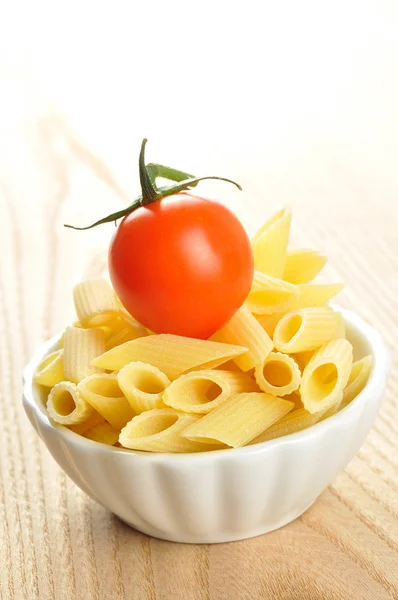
{"x": 181, "y": 265}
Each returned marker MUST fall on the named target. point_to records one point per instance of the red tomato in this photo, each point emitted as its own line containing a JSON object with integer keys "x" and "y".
{"x": 181, "y": 265}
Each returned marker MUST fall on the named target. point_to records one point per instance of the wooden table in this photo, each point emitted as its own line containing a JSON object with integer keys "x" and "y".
{"x": 341, "y": 179}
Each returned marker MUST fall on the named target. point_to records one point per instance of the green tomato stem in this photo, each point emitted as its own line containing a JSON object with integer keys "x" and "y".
{"x": 149, "y": 192}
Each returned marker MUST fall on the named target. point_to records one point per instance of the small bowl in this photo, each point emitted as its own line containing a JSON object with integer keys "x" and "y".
{"x": 224, "y": 495}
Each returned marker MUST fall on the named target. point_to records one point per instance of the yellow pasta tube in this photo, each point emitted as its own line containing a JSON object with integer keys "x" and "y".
{"x": 160, "y": 430}
{"x": 200, "y": 392}
{"x": 314, "y": 294}
{"x": 244, "y": 329}
{"x": 172, "y": 354}
{"x": 326, "y": 375}
{"x": 94, "y": 419}
{"x": 93, "y": 297}
{"x": 51, "y": 369}
{"x": 278, "y": 374}
{"x": 66, "y": 405}
{"x": 303, "y": 265}
{"x": 143, "y": 385}
{"x": 305, "y": 329}
{"x": 358, "y": 378}
{"x": 81, "y": 346}
{"x": 269, "y": 322}
{"x": 103, "y": 433}
{"x": 239, "y": 420}
{"x": 102, "y": 392}
{"x": 270, "y": 244}
{"x": 269, "y": 294}
{"x": 296, "y": 420}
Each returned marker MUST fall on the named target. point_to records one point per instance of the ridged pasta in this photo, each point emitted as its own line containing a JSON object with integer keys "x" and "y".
{"x": 103, "y": 433}
{"x": 294, "y": 421}
{"x": 278, "y": 374}
{"x": 239, "y": 420}
{"x": 357, "y": 380}
{"x": 200, "y": 392}
{"x": 66, "y": 405}
{"x": 303, "y": 265}
{"x": 270, "y": 244}
{"x": 172, "y": 354}
{"x": 103, "y": 393}
{"x": 160, "y": 430}
{"x": 81, "y": 346}
{"x": 244, "y": 329}
{"x": 314, "y": 294}
{"x": 326, "y": 375}
{"x": 51, "y": 369}
{"x": 143, "y": 385}
{"x": 269, "y": 294}
{"x": 94, "y": 419}
{"x": 93, "y": 297}
{"x": 305, "y": 329}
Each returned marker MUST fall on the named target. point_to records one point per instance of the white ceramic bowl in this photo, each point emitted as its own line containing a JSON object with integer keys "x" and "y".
{"x": 224, "y": 495}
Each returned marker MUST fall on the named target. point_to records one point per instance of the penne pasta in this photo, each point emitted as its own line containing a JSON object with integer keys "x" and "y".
{"x": 303, "y": 265}
{"x": 200, "y": 392}
{"x": 94, "y": 419}
{"x": 172, "y": 354}
{"x": 306, "y": 329}
{"x": 314, "y": 294}
{"x": 143, "y": 385}
{"x": 103, "y": 433}
{"x": 326, "y": 375}
{"x": 269, "y": 294}
{"x": 103, "y": 393}
{"x": 244, "y": 330}
{"x": 357, "y": 380}
{"x": 66, "y": 405}
{"x": 270, "y": 244}
{"x": 239, "y": 420}
{"x": 269, "y": 322}
{"x": 93, "y": 297}
{"x": 51, "y": 369}
{"x": 278, "y": 374}
{"x": 294, "y": 421}
{"x": 160, "y": 430}
{"x": 81, "y": 346}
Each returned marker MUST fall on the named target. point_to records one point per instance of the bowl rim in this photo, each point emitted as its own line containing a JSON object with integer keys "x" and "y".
{"x": 380, "y": 369}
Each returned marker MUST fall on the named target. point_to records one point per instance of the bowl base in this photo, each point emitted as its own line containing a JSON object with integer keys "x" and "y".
{"x": 217, "y": 537}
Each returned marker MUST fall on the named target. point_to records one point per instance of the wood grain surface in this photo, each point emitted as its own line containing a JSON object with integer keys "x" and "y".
{"x": 56, "y": 543}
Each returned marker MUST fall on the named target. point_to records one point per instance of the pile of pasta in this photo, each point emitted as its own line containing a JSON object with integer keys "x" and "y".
{"x": 281, "y": 364}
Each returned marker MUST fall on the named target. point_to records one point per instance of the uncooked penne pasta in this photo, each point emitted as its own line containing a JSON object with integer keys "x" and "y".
{"x": 172, "y": 354}
{"x": 94, "y": 419}
{"x": 239, "y": 420}
{"x": 314, "y": 294}
{"x": 93, "y": 297}
{"x": 326, "y": 375}
{"x": 51, "y": 369}
{"x": 278, "y": 374}
{"x": 160, "y": 430}
{"x": 200, "y": 392}
{"x": 244, "y": 329}
{"x": 303, "y": 265}
{"x": 296, "y": 420}
{"x": 306, "y": 329}
{"x": 103, "y": 393}
{"x": 357, "y": 380}
{"x": 66, "y": 405}
{"x": 269, "y": 294}
{"x": 270, "y": 244}
{"x": 143, "y": 385}
{"x": 81, "y": 346}
{"x": 103, "y": 433}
